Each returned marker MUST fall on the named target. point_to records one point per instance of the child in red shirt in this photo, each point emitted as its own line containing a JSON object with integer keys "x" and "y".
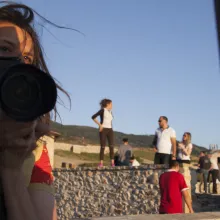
{"x": 172, "y": 188}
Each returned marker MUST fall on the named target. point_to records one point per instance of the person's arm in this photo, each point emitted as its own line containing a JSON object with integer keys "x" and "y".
{"x": 211, "y": 167}
{"x": 155, "y": 142}
{"x": 187, "y": 151}
{"x": 44, "y": 204}
{"x": 99, "y": 113}
{"x": 173, "y": 142}
{"x": 187, "y": 200}
{"x": 211, "y": 163}
{"x": 199, "y": 162}
{"x": 185, "y": 192}
{"x": 18, "y": 202}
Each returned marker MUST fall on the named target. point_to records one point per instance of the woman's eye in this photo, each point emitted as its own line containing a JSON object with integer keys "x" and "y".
{"x": 27, "y": 59}
{"x": 4, "y": 49}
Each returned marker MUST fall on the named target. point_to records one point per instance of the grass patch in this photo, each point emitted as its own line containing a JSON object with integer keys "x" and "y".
{"x": 94, "y": 158}
{"x": 83, "y": 156}
{"x": 139, "y": 154}
{"x": 144, "y": 154}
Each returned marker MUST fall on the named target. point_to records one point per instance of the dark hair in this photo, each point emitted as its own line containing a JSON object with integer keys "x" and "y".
{"x": 132, "y": 157}
{"x": 173, "y": 163}
{"x": 105, "y": 102}
{"x": 125, "y": 139}
{"x": 202, "y": 152}
{"x": 23, "y": 16}
{"x": 165, "y": 118}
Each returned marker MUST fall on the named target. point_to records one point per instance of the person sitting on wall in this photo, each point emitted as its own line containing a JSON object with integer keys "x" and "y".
{"x": 172, "y": 188}
{"x": 124, "y": 153}
{"x": 134, "y": 162}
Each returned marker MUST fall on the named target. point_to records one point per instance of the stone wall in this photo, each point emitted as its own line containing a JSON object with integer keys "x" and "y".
{"x": 97, "y": 192}
{"x": 80, "y": 148}
{"x": 93, "y": 192}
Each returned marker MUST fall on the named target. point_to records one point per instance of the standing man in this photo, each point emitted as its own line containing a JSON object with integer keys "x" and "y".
{"x": 214, "y": 170}
{"x": 205, "y": 166}
{"x": 164, "y": 142}
{"x": 124, "y": 153}
{"x": 172, "y": 188}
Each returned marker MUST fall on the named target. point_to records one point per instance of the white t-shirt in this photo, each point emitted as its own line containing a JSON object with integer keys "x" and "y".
{"x": 180, "y": 154}
{"x": 214, "y": 161}
{"x": 107, "y": 118}
{"x": 164, "y": 144}
{"x": 135, "y": 163}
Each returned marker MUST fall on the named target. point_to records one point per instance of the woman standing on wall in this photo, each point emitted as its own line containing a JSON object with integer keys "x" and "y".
{"x": 105, "y": 129}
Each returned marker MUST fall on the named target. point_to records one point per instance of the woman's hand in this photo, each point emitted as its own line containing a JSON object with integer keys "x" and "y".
{"x": 155, "y": 149}
{"x": 18, "y": 140}
{"x": 100, "y": 128}
{"x": 180, "y": 146}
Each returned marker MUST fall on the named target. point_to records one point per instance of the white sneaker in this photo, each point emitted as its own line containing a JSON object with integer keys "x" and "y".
{"x": 217, "y": 181}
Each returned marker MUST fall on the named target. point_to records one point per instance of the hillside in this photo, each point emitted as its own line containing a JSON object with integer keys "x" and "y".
{"x": 88, "y": 135}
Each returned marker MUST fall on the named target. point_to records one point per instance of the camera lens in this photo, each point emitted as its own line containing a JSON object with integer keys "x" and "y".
{"x": 26, "y": 92}
{"x": 21, "y": 92}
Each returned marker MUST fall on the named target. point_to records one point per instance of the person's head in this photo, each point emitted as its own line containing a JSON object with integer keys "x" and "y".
{"x": 132, "y": 158}
{"x": 125, "y": 140}
{"x": 174, "y": 165}
{"x": 209, "y": 154}
{"x": 187, "y": 138}
{"x": 106, "y": 103}
{"x": 202, "y": 154}
{"x": 163, "y": 122}
{"x": 18, "y": 38}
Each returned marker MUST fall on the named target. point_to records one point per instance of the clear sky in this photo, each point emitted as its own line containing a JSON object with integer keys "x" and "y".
{"x": 151, "y": 57}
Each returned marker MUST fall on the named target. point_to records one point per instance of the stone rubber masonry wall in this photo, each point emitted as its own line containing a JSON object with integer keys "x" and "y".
{"x": 93, "y": 192}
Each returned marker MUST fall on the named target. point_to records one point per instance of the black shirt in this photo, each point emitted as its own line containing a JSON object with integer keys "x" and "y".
{"x": 204, "y": 163}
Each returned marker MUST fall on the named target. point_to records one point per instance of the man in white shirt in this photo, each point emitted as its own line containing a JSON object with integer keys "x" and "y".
{"x": 164, "y": 142}
{"x": 214, "y": 170}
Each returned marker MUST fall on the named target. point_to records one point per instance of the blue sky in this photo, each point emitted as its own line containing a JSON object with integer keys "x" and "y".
{"x": 151, "y": 57}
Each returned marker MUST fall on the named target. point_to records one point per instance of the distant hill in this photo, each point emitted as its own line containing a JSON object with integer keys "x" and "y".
{"x": 75, "y": 134}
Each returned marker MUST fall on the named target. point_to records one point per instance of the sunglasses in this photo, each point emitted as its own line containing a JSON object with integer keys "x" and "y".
{"x": 159, "y": 121}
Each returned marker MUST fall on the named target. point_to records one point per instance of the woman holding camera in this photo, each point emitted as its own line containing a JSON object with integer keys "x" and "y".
{"x": 184, "y": 149}
{"x": 25, "y": 170}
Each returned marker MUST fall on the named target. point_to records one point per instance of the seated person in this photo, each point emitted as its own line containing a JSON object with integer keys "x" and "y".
{"x": 124, "y": 153}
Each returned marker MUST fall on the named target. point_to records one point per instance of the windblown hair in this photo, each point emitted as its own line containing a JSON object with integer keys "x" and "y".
{"x": 104, "y": 103}
{"x": 24, "y": 16}
{"x": 189, "y": 138}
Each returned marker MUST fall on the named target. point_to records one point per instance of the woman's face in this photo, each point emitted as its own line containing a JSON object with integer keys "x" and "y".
{"x": 109, "y": 106}
{"x": 185, "y": 137}
{"x": 15, "y": 42}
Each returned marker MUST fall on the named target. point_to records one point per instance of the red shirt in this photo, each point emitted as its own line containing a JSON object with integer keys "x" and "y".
{"x": 42, "y": 170}
{"x": 172, "y": 184}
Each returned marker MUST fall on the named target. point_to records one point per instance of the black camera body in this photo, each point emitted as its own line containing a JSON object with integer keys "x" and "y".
{"x": 26, "y": 92}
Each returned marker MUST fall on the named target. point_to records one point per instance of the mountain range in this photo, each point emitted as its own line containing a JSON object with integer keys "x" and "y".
{"x": 83, "y": 135}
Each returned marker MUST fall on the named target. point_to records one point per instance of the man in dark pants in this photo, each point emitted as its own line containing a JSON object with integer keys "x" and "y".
{"x": 204, "y": 165}
{"x": 164, "y": 142}
{"x": 214, "y": 170}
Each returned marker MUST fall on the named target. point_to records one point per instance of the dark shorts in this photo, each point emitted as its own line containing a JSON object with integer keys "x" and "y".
{"x": 162, "y": 158}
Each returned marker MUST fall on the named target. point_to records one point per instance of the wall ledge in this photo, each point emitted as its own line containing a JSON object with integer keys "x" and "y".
{"x": 196, "y": 216}
{"x": 117, "y": 168}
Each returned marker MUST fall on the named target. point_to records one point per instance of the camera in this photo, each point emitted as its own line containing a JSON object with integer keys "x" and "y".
{"x": 26, "y": 92}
